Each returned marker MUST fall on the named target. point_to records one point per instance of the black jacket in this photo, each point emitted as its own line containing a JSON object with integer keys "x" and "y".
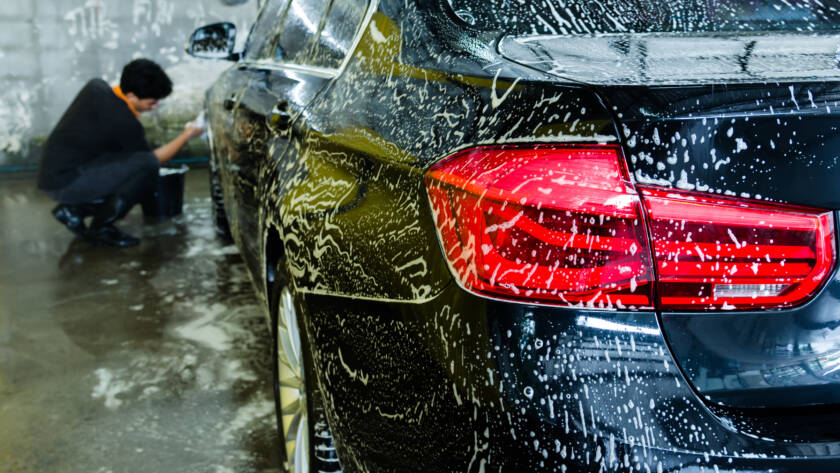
{"x": 97, "y": 123}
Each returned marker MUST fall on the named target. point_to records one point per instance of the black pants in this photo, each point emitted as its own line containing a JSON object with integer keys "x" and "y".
{"x": 130, "y": 176}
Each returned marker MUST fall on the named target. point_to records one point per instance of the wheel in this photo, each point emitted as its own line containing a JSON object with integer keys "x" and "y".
{"x": 217, "y": 203}
{"x": 307, "y": 445}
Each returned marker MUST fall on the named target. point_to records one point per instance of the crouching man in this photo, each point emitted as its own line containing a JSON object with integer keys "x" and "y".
{"x": 96, "y": 162}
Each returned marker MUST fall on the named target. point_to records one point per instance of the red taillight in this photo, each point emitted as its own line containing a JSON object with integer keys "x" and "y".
{"x": 563, "y": 225}
{"x": 720, "y": 253}
{"x": 548, "y": 224}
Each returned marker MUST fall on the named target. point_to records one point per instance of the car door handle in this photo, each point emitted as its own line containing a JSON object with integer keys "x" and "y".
{"x": 280, "y": 119}
{"x": 229, "y": 103}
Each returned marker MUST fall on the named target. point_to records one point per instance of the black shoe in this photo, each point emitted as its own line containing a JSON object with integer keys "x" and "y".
{"x": 109, "y": 235}
{"x": 72, "y": 217}
{"x": 112, "y": 209}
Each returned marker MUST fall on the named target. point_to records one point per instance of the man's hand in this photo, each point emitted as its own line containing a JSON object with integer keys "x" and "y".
{"x": 169, "y": 150}
{"x": 193, "y": 131}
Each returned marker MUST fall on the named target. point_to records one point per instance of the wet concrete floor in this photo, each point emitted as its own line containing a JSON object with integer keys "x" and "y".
{"x": 149, "y": 359}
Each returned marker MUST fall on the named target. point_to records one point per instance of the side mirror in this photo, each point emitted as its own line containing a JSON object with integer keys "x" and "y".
{"x": 214, "y": 41}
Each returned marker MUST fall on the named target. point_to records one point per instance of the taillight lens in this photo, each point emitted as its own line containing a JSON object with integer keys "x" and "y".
{"x": 544, "y": 224}
{"x": 563, "y": 225}
{"x": 719, "y": 253}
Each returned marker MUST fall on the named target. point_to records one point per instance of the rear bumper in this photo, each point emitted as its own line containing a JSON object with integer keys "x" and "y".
{"x": 498, "y": 386}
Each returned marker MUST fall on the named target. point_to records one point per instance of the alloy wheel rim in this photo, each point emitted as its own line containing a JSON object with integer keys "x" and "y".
{"x": 292, "y": 387}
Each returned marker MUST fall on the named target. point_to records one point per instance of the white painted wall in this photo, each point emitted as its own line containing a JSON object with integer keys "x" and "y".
{"x": 50, "y": 48}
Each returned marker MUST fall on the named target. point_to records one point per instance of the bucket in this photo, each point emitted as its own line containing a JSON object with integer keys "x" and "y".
{"x": 167, "y": 200}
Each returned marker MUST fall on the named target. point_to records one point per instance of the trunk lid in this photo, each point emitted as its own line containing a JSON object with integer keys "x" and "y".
{"x": 749, "y": 116}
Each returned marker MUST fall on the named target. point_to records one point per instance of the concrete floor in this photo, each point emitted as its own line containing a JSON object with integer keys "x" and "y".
{"x": 150, "y": 359}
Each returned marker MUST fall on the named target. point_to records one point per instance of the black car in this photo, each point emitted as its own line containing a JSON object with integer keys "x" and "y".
{"x": 540, "y": 235}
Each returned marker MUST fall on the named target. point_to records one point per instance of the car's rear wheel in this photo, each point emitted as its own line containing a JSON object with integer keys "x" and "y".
{"x": 220, "y": 220}
{"x": 307, "y": 445}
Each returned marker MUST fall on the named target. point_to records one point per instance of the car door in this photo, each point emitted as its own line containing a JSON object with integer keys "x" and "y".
{"x": 260, "y": 97}
{"x": 235, "y": 112}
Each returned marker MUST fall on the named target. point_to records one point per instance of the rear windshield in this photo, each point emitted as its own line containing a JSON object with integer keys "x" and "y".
{"x": 582, "y": 17}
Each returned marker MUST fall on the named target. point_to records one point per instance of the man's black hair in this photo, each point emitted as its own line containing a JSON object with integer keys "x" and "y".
{"x": 145, "y": 79}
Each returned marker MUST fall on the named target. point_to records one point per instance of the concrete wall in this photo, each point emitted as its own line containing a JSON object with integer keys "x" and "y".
{"x": 50, "y": 48}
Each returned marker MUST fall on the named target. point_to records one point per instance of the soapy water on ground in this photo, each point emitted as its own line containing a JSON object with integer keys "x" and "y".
{"x": 213, "y": 344}
{"x": 151, "y": 359}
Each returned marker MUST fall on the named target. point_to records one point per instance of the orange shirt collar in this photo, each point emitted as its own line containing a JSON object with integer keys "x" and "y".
{"x": 118, "y": 91}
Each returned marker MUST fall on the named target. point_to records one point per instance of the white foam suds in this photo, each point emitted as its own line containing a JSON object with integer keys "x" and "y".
{"x": 255, "y": 410}
{"x": 375, "y": 33}
{"x": 109, "y": 388}
{"x": 209, "y": 248}
{"x": 204, "y": 331}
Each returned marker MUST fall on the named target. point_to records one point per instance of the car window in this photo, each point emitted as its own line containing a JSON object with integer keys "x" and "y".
{"x": 263, "y": 33}
{"x": 296, "y": 35}
{"x": 336, "y": 38}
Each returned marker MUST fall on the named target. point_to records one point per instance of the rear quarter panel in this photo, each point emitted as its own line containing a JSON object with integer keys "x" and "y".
{"x": 349, "y": 194}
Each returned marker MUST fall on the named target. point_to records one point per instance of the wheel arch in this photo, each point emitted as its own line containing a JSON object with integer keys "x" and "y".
{"x": 274, "y": 255}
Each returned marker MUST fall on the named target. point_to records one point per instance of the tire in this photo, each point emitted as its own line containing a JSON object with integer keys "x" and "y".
{"x": 298, "y": 402}
{"x": 217, "y": 203}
